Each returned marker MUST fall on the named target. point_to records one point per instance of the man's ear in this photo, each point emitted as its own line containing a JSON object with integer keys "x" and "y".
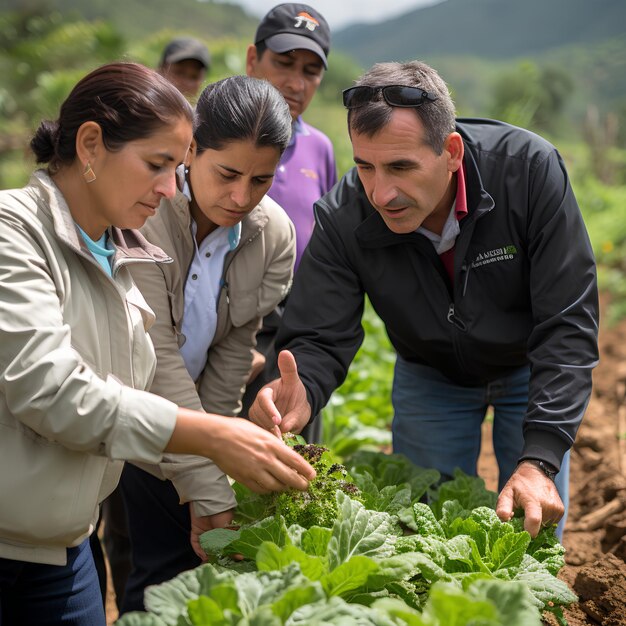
{"x": 454, "y": 149}
{"x": 251, "y": 60}
{"x": 89, "y": 143}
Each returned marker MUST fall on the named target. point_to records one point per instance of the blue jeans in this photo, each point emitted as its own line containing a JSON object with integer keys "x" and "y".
{"x": 437, "y": 423}
{"x": 35, "y": 594}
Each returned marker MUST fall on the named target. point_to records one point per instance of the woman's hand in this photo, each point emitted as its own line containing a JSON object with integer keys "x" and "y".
{"x": 200, "y": 524}
{"x": 249, "y": 454}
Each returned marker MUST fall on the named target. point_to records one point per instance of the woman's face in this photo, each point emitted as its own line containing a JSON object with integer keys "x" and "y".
{"x": 131, "y": 182}
{"x": 228, "y": 183}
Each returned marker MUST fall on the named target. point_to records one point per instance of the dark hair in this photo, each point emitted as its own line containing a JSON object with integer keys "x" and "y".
{"x": 437, "y": 117}
{"x": 129, "y": 101}
{"x": 241, "y": 108}
{"x": 261, "y": 47}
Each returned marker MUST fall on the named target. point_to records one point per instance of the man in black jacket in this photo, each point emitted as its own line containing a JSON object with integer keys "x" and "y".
{"x": 466, "y": 237}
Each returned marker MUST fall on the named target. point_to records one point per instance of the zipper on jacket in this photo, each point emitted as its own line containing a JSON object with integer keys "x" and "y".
{"x": 454, "y": 319}
{"x": 228, "y": 261}
{"x": 465, "y": 270}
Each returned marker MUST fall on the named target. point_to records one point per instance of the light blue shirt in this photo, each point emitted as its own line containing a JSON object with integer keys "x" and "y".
{"x": 202, "y": 290}
{"x": 99, "y": 249}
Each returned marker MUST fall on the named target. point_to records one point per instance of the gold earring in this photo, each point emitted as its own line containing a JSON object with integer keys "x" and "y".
{"x": 88, "y": 174}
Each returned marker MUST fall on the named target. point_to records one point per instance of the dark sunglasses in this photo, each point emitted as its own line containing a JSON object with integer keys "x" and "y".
{"x": 394, "y": 95}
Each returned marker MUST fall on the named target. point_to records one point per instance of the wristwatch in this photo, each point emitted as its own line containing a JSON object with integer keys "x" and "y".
{"x": 546, "y": 468}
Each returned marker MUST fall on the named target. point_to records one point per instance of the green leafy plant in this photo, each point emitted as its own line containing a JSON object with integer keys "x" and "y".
{"x": 315, "y": 507}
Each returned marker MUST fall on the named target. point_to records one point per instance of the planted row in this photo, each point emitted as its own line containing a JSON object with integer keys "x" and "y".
{"x": 380, "y": 557}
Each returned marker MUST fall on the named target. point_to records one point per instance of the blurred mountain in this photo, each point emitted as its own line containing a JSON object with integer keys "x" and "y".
{"x": 491, "y": 29}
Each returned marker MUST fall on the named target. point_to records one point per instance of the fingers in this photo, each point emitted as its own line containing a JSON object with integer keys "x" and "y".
{"x": 532, "y": 518}
{"x": 200, "y": 553}
{"x": 533, "y": 492}
{"x": 505, "y": 504}
{"x": 293, "y": 423}
{"x": 288, "y": 368}
{"x": 264, "y": 412}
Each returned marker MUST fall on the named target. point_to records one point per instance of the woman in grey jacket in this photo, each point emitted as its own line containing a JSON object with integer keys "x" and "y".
{"x": 75, "y": 358}
{"x": 233, "y": 250}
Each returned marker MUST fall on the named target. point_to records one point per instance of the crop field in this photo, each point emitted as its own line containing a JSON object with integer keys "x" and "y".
{"x": 362, "y": 548}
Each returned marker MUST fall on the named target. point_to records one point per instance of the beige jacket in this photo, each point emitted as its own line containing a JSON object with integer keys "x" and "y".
{"x": 72, "y": 347}
{"x": 257, "y": 275}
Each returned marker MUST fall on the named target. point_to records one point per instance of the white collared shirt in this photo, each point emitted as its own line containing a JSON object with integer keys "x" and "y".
{"x": 202, "y": 289}
{"x": 450, "y": 232}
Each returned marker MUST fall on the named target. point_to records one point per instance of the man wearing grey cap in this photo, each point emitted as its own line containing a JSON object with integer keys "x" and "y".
{"x": 290, "y": 50}
{"x": 185, "y": 62}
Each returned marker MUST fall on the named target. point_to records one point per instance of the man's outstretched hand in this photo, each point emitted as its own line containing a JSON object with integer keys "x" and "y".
{"x": 282, "y": 406}
{"x": 531, "y": 490}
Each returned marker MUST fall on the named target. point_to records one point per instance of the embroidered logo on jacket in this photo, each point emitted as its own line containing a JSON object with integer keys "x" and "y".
{"x": 506, "y": 253}
{"x": 305, "y": 19}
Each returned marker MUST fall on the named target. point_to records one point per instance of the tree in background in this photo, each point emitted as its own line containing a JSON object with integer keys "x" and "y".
{"x": 532, "y": 97}
{"x": 41, "y": 58}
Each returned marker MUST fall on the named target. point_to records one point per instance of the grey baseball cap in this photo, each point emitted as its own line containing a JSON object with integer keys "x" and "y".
{"x": 184, "y": 48}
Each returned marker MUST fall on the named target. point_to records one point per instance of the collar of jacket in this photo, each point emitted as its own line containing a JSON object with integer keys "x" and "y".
{"x": 251, "y": 225}
{"x": 130, "y": 244}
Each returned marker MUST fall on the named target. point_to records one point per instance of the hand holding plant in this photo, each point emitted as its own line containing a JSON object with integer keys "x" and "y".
{"x": 203, "y": 523}
{"x": 531, "y": 490}
{"x": 242, "y": 450}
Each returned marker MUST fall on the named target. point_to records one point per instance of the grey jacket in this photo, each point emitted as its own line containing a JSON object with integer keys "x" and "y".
{"x": 257, "y": 275}
{"x": 74, "y": 361}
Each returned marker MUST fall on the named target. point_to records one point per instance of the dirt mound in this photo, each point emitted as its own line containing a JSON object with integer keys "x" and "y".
{"x": 595, "y": 534}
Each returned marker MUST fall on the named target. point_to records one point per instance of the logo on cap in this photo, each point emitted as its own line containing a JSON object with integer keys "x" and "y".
{"x": 306, "y": 20}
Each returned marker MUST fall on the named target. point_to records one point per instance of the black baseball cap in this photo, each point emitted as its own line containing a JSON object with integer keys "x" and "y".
{"x": 293, "y": 26}
{"x": 185, "y": 48}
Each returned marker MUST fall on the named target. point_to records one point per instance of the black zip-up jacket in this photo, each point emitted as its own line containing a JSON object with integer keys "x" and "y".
{"x": 524, "y": 286}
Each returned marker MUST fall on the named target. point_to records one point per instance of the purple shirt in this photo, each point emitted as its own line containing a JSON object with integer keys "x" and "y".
{"x": 304, "y": 174}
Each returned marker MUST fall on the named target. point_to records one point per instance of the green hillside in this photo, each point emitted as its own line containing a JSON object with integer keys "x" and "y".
{"x": 494, "y": 29}
{"x": 138, "y": 18}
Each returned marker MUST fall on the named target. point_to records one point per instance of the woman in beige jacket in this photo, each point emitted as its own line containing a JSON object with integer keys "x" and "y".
{"x": 233, "y": 249}
{"x": 75, "y": 358}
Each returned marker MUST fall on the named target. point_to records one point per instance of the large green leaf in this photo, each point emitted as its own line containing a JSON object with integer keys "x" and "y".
{"x": 337, "y": 612}
{"x": 315, "y": 540}
{"x": 294, "y": 598}
{"x": 349, "y": 576}
{"x": 214, "y": 541}
{"x": 271, "y": 557}
{"x": 269, "y": 529}
{"x": 169, "y": 600}
{"x": 509, "y": 550}
{"x": 358, "y": 531}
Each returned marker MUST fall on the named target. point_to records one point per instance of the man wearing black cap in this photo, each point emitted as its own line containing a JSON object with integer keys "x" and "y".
{"x": 290, "y": 50}
{"x": 185, "y": 62}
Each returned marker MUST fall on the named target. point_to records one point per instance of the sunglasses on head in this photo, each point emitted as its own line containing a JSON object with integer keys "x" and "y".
{"x": 394, "y": 95}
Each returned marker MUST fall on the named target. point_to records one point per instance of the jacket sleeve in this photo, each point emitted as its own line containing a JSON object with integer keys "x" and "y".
{"x": 223, "y": 381}
{"x": 195, "y": 478}
{"x": 562, "y": 346}
{"x": 45, "y": 382}
{"x": 321, "y": 323}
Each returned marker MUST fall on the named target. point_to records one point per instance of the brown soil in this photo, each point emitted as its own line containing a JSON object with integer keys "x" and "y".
{"x": 595, "y": 533}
